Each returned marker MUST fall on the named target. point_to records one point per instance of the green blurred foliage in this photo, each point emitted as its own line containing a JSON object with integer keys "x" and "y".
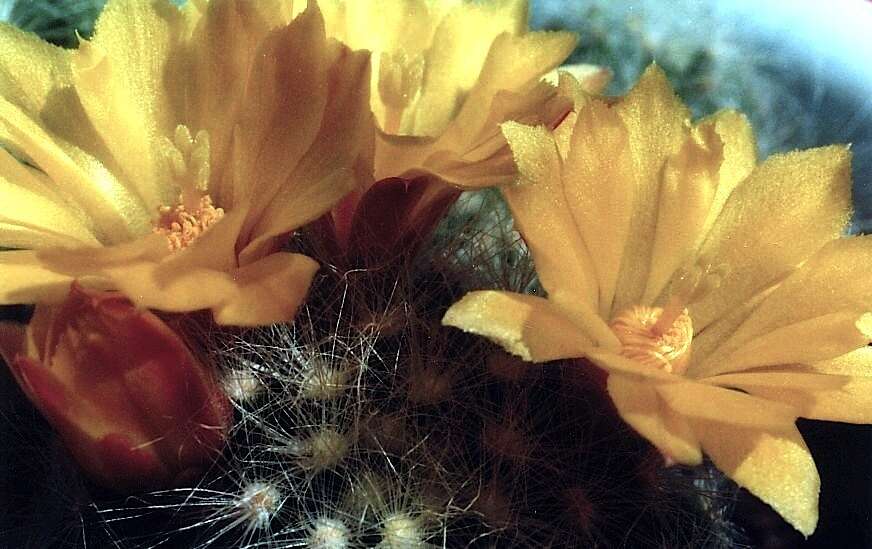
{"x": 57, "y": 21}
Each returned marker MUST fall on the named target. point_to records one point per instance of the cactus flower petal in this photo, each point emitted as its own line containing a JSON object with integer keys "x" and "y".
{"x": 737, "y": 303}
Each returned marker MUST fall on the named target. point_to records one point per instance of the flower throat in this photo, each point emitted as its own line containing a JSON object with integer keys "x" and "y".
{"x": 194, "y": 213}
{"x": 661, "y": 337}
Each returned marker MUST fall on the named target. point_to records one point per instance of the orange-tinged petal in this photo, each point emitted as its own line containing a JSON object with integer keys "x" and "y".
{"x": 461, "y": 49}
{"x": 466, "y": 155}
{"x": 268, "y": 291}
{"x": 537, "y": 105}
{"x": 814, "y": 395}
{"x": 542, "y": 215}
{"x": 294, "y": 209}
{"x": 149, "y": 285}
{"x": 687, "y": 190}
{"x": 598, "y": 183}
{"x": 787, "y": 209}
{"x": 706, "y": 402}
{"x": 471, "y": 157}
{"x": 830, "y": 322}
{"x": 344, "y": 141}
{"x": 283, "y": 109}
{"x": 92, "y": 208}
{"x": 803, "y": 342}
{"x": 224, "y": 45}
{"x": 739, "y": 157}
{"x": 264, "y": 292}
{"x": 657, "y": 124}
{"x": 445, "y": 76}
{"x": 527, "y": 326}
{"x": 453, "y": 168}
{"x": 641, "y": 407}
{"x": 612, "y": 362}
{"x": 774, "y": 465}
{"x": 514, "y": 63}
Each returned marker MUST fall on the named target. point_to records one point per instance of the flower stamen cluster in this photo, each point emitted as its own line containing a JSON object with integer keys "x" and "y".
{"x": 181, "y": 226}
{"x": 661, "y": 337}
{"x": 668, "y": 350}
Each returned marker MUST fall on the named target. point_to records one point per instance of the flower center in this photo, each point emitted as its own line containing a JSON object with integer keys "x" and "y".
{"x": 643, "y": 341}
{"x": 662, "y": 337}
{"x": 182, "y": 226}
{"x": 188, "y": 158}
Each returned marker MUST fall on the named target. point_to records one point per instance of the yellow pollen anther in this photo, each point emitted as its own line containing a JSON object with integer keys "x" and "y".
{"x": 182, "y": 226}
{"x": 668, "y": 349}
{"x": 188, "y": 159}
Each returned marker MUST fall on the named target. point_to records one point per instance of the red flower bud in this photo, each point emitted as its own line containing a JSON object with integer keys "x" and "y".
{"x": 124, "y": 392}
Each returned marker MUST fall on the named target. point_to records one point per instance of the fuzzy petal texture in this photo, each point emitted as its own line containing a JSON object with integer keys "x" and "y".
{"x": 541, "y": 212}
{"x": 787, "y": 209}
{"x": 689, "y": 182}
{"x": 599, "y": 190}
{"x": 774, "y": 465}
{"x": 527, "y": 326}
{"x": 855, "y": 363}
{"x": 120, "y": 78}
{"x": 220, "y": 73}
{"x": 179, "y": 191}
{"x": 829, "y": 323}
{"x": 658, "y": 125}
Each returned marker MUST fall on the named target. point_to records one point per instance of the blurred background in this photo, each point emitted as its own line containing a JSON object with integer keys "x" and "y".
{"x": 799, "y": 69}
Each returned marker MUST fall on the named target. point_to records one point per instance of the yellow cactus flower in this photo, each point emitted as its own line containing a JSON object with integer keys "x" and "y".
{"x": 168, "y": 156}
{"x": 720, "y": 295}
{"x": 445, "y": 74}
